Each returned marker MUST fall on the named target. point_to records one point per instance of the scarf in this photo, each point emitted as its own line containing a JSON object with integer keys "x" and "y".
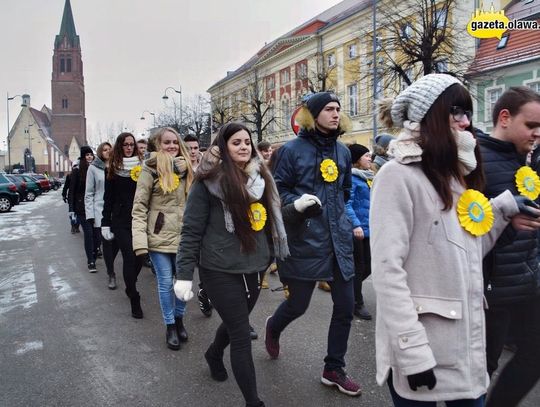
{"x": 466, "y": 143}
{"x": 128, "y": 164}
{"x": 404, "y": 148}
{"x": 255, "y": 187}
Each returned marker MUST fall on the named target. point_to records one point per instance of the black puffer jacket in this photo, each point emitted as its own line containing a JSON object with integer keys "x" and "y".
{"x": 510, "y": 269}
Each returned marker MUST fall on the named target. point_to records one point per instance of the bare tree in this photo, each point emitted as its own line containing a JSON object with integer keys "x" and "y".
{"x": 221, "y": 112}
{"x": 254, "y": 106}
{"x": 321, "y": 78}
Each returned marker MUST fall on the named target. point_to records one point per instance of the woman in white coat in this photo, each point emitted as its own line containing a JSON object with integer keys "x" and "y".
{"x": 93, "y": 202}
{"x": 430, "y": 228}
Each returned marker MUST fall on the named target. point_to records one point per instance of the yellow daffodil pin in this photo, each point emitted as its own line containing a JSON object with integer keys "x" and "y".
{"x": 257, "y": 216}
{"x": 329, "y": 170}
{"x": 527, "y": 182}
{"x": 135, "y": 172}
{"x": 475, "y": 212}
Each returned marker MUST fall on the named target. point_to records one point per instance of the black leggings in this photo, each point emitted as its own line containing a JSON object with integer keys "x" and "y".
{"x": 233, "y": 297}
{"x": 362, "y": 268}
{"x": 110, "y": 250}
{"x": 131, "y": 264}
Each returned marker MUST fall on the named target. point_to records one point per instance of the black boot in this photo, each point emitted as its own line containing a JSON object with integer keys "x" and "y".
{"x": 215, "y": 363}
{"x": 112, "y": 282}
{"x": 182, "y": 333}
{"x": 136, "y": 310}
{"x": 172, "y": 337}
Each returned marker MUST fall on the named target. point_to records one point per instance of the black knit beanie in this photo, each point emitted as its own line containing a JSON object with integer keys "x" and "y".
{"x": 316, "y": 102}
{"x": 357, "y": 151}
{"x": 85, "y": 150}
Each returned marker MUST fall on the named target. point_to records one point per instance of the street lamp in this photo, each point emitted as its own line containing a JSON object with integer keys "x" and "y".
{"x": 8, "y": 99}
{"x": 149, "y": 112}
{"x": 165, "y": 97}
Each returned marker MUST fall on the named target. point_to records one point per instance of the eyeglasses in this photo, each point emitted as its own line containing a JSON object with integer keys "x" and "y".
{"x": 128, "y": 145}
{"x": 458, "y": 113}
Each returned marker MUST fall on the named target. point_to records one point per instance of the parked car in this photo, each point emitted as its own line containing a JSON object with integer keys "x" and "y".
{"x": 20, "y": 184}
{"x": 55, "y": 182}
{"x": 8, "y": 194}
{"x": 32, "y": 188}
{"x": 42, "y": 181}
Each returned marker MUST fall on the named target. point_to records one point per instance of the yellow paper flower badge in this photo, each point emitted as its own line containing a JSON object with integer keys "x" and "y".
{"x": 474, "y": 212}
{"x": 527, "y": 182}
{"x": 135, "y": 172}
{"x": 329, "y": 170}
{"x": 369, "y": 183}
{"x": 257, "y": 216}
{"x": 175, "y": 184}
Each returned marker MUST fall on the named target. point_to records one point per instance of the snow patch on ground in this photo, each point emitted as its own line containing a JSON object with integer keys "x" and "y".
{"x": 29, "y": 346}
{"x": 18, "y": 289}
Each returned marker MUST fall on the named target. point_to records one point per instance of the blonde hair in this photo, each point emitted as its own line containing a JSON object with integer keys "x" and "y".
{"x": 165, "y": 163}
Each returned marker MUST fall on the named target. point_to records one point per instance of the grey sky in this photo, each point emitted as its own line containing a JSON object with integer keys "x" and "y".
{"x": 133, "y": 49}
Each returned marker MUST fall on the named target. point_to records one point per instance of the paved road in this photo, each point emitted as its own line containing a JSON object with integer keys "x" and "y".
{"x": 66, "y": 340}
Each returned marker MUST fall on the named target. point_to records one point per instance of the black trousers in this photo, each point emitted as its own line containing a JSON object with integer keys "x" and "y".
{"x": 300, "y": 292}
{"x": 110, "y": 250}
{"x": 233, "y": 297}
{"x": 362, "y": 265}
{"x": 131, "y": 264}
{"x": 522, "y": 372}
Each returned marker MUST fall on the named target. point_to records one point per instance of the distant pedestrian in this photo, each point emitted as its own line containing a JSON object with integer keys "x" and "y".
{"x": 430, "y": 227}
{"x": 265, "y": 150}
{"x": 93, "y": 200}
{"x": 120, "y": 184}
{"x": 195, "y": 154}
{"x": 380, "y": 151}
{"x": 158, "y": 208}
{"x": 142, "y": 147}
{"x": 77, "y": 189}
{"x": 73, "y": 221}
{"x": 231, "y": 222}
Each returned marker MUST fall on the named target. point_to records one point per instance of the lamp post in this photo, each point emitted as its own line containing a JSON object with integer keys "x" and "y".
{"x": 165, "y": 97}
{"x": 149, "y": 112}
{"x": 8, "y": 99}
{"x": 375, "y": 72}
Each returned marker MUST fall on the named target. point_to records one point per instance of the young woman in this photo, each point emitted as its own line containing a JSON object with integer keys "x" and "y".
{"x": 357, "y": 208}
{"x": 430, "y": 228}
{"x": 158, "y": 209}
{"x": 93, "y": 201}
{"x": 120, "y": 184}
{"x": 77, "y": 187}
{"x": 231, "y": 222}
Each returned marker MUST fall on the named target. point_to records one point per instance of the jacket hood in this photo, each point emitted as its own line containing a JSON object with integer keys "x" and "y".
{"x": 366, "y": 175}
{"x": 99, "y": 163}
{"x": 319, "y": 138}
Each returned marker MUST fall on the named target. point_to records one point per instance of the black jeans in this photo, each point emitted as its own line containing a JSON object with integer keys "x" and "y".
{"x": 522, "y": 372}
{"x": 300, "y": 292}
{"x": 233, "y": 297}
{"x": 131, "y": 264}
{"x": 110, "y": 250}
{"x": 362, "y": 266}
{"x": 91, "y": 239}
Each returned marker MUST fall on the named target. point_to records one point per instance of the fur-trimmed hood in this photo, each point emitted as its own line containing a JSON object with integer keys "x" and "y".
{"x": 305, "y": 120}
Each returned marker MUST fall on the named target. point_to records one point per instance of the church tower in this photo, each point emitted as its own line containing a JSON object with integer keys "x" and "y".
{"x": 68, "y": 119}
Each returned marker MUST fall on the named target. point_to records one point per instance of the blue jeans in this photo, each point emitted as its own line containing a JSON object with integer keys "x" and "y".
{"x": 165, "y": 265}
{"x": 402, "y": 402}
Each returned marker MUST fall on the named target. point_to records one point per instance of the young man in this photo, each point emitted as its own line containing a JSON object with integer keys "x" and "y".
{"x": 142, "y": 145}
{"x": 194, "y": 153}
{"x": 318, "y": 167}
{"x": 265, "y": 150}
{"x": 511, "y": 270}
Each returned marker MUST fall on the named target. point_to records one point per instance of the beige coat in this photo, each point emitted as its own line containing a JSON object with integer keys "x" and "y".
{"x": 427, "y": 273}
{"x": 150, "y": 201}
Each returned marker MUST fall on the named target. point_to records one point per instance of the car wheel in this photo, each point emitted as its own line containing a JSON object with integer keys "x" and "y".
{"x": 30, "y": 196}
{"x": 55, "y": 187}
{"x": 5, "y": 204}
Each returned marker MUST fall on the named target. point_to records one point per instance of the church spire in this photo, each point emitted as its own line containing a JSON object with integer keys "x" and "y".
{"x": 67, "y": 29}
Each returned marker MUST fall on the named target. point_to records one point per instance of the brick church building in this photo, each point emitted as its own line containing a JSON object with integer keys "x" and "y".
{"x": 49, "y": 139}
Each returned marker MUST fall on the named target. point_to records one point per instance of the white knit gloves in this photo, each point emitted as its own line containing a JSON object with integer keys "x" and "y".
{"x": 182, "y": 290}
{"x": 106, "y": 233}
{"x": 305, "y": 201}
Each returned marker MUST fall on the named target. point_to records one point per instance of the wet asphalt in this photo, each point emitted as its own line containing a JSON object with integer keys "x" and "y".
{"x": 67, "y": 340}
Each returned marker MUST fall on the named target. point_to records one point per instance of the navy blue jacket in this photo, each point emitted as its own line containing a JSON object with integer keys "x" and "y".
{"x": 510, "y": 268}
{"x": 317, "y": 243}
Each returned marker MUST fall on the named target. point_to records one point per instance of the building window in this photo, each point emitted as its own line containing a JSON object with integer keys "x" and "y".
{"x": 353, "y": 52}
{"x": 330, "y": 60}
{"x": 502, "y": 43}
{"x": 62, "y": 65}
{"x": 534, "y": 86}
{"x": 68, "y": 65}
{"x": 270, "y": 83}
{"x": 406, "y": 31}
{"x": 285, "y": 112}
{"x": 352, "y": 93}
{"x": 440, "y": 17}
{"x": 285, "y": 76}
{"x": 301, "y": 71}
{"x": 492, "y": 95}
{"x": 64, "y": 103}
{"x": 271, "y": 118}
{"x": 441, "y": 66}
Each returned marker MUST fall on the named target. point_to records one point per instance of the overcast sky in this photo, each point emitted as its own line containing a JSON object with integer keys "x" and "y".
{"x": 133, "y": 49}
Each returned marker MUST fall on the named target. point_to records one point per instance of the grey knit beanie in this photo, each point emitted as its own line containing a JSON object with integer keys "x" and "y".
{"x": 414, "y": 102}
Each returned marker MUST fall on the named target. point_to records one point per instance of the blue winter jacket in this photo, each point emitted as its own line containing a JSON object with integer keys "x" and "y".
{"x": 318, "y": 243}
{"x": 358, "y": 204}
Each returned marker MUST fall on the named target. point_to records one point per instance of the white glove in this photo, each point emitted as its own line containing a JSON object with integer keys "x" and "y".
{"x": 305, "y": 201}
{"x": 106, "y": 233}
{"x": 182, "y": 289}
{"x": 72, "y": 216}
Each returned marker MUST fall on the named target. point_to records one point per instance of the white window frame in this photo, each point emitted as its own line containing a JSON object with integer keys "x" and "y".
{"x": 441, "y": 66}
{"x": 270, "y": 82}
{"x": 301, "y": 72}
{"x": 437, "y": 16}
{"x": 285, "y": 111}
{"x": 285, "y": 76}
{"x": 352, "y": 50}
{"x": 534, "y": 84}
{"x": 330, "y": 60}
{"x": 406, "y": 31}
{"x": 353, "y": 99}
{"x": 488, "y": 103}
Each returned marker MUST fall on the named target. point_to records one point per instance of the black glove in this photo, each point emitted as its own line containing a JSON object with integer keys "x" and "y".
{"x": 312, "y": 211}
{"x": 525, "y": 204}
{"x": 65, "y": 199}
{"x": 426, "y": 378}
{"x": 91, "y": 221}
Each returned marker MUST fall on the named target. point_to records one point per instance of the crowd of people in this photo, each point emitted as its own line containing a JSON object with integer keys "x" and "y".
{"x": 442, "y": 216}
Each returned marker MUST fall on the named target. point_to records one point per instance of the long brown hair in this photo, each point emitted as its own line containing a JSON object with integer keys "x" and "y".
{"x": 116, "y": 162}
{"x": 232, "y": 180}
{"x": 440, "y": 153}
{"x": 100, "y": 148}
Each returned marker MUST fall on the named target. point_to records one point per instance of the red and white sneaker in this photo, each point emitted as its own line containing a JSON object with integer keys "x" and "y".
{"x": 342, "y": 381}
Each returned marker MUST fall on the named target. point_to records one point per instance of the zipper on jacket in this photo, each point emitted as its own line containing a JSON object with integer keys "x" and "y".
{"x": 488, "y": 287}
